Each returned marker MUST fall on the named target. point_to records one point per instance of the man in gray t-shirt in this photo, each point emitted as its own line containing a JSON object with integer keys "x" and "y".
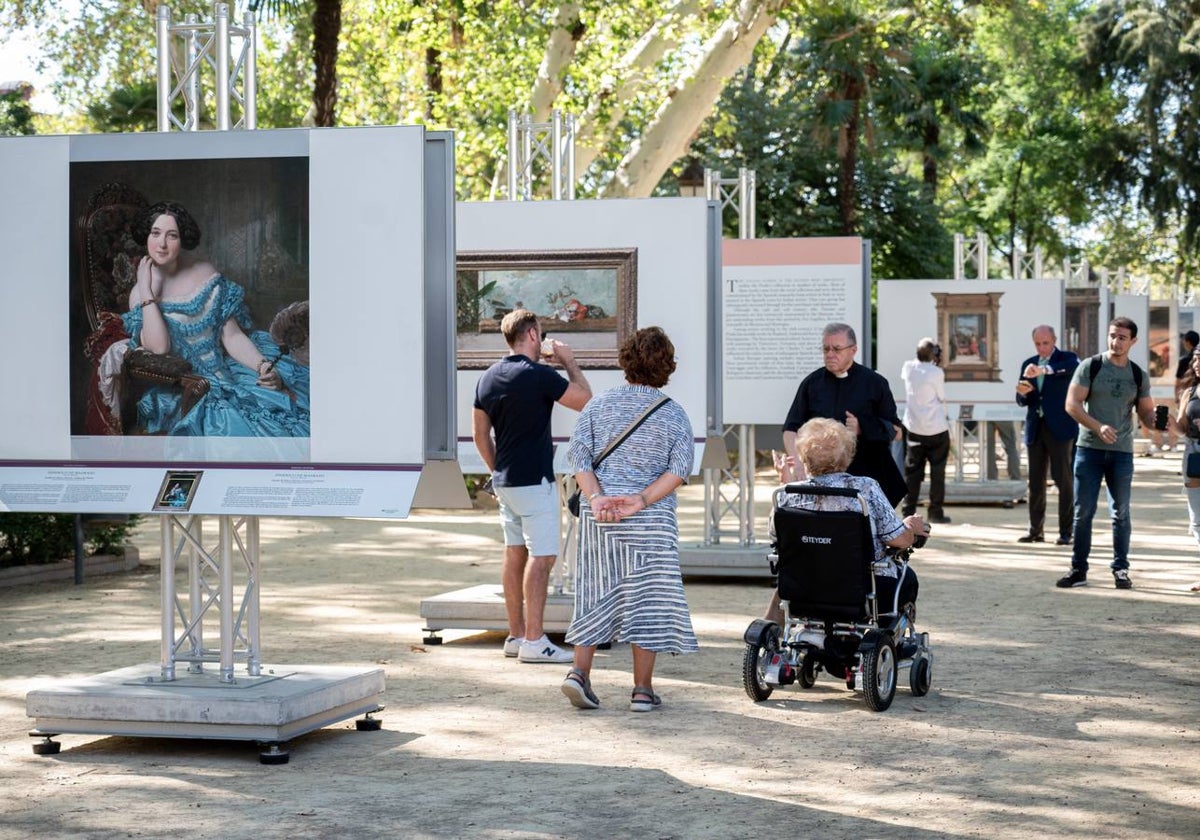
{"x": 1103, "y": 407}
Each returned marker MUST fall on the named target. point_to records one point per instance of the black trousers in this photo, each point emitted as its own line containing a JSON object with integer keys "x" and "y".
{"x": 921, "y": 450}
{"x": 1047, "y": 453}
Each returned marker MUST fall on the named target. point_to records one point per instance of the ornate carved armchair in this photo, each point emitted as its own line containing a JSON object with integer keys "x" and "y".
{"x": 108, "y": 263}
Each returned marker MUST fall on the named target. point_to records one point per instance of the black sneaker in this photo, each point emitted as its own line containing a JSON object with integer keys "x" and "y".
{"x": 1121, "y": 579}
{"x": 1076, "y": 578}
{"x": 939, "y": 519}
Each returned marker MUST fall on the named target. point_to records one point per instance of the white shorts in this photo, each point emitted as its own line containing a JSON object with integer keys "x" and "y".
{"x": 529, "y": 517}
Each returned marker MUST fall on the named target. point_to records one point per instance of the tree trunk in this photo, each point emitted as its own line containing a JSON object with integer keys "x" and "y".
{"x": 433, "y": 80}
{"x": 847, "y": 167}
{"x": 667, "y": 135}
{"x": 560, "y": 52}
{"x": 327, "y": 28}
{"x": 628, "y": 81}
{"x": 929, "y": 164}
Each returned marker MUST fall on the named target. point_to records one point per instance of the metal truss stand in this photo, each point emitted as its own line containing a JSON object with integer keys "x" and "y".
{"x": 536, "y": 145}
{"x": 729, "y": 490}
{"x": 187, "y": 48}
{"x": 269, "y": 705}
{"x": 965, "y": 252}
{"x": 974, "y": 447}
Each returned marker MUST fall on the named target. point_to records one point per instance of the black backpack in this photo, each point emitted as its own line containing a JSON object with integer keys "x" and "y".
{"x": 1094, "y": 364}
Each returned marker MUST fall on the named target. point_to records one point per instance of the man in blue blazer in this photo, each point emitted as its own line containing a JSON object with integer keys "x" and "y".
{"x": 1049, "y": 432}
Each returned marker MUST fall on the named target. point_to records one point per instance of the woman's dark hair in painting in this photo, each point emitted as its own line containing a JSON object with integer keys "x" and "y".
{"x": 647, "y": 357}
{"x": 189, "y": 231}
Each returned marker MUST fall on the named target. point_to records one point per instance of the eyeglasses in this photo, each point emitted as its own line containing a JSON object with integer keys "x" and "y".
{"x": 829, "y": 348}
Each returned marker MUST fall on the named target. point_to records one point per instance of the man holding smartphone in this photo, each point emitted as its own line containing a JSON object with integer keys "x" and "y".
{"x": 1049, "y": 431}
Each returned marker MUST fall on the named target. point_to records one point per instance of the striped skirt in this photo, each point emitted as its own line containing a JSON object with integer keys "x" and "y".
{"x": 628, "y": 587}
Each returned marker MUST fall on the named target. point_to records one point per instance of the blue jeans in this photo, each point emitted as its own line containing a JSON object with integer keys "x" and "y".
{"x": 1116, "y": 469}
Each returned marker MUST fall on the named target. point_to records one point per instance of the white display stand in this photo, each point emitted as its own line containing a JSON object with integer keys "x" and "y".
{"x": 369, "y": 446}
{"x": 677, "y": 245}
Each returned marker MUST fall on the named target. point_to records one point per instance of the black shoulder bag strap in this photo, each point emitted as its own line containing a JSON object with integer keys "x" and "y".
{"x": 619, "y": 439}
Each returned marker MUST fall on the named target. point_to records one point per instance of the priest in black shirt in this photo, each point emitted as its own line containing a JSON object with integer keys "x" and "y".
{"x": 845, "y": 391}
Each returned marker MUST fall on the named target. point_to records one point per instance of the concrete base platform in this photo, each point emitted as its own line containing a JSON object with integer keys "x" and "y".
{"x": 286, "y": 701}
{"x": 482, "y": 608}
{"x": 982, "y": 492}
{"x": 724, "y": 560}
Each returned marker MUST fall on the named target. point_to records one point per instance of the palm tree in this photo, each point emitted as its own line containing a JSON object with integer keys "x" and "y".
{"x": 327, "y": 29}
{"x": 1149, "y": 51}
{"x": 855, "y": 51}
{"x": 942, "y": 85}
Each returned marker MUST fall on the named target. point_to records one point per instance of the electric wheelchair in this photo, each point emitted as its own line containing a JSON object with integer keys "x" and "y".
{"x": 833, "y": 620}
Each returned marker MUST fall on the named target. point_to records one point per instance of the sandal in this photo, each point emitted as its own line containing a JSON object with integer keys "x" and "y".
{"x": 578, "y": 688}
{"x": 648, "y": 702}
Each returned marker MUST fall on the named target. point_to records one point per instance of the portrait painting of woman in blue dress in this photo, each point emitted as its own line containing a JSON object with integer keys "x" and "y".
{"x": 183, "y": 306}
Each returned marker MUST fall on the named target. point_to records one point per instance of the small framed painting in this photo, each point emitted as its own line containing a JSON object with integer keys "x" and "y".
{"x": 968, "y": 332}
{"x": 177, "y": 491}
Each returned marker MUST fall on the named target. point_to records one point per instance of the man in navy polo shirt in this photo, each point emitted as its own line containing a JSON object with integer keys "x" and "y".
{"x": 511, "y": 427}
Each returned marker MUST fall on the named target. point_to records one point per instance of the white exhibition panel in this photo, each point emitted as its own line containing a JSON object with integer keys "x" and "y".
{"x": 1106, "y": 304}
{"x": 1137, "y": 308}
{"x": 368, "y": 319}
{"x": 908, "y": 313}
{"x": 34, "y": 410}
{"x": 777, "y": 297}
{"x": 365, "y": 249}
{"x": 670, "y": 235}
{"x": 1189, "y": 318}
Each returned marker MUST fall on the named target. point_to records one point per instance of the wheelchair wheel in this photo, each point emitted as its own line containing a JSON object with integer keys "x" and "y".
{"x": 807, "y": 677}
{"x": 879, "y": 674}
{"x": 754, "y": 664}
{"x": 919, "y": 676}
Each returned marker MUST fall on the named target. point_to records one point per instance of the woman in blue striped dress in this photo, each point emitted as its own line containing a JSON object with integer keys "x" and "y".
{"x": 628, "y": 587}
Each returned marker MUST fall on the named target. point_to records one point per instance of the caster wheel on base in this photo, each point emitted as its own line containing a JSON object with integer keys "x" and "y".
{"x": 920, "y": 674}
{"x": 273, "y": 755}
{"x": 368, "y": 724}
{"x": 432, "y": 639}
{"x": 46, "y": 747}
{"x": 807, "y": 677}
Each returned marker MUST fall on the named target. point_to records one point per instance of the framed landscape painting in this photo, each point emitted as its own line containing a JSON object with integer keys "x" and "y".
{"x": 585, "y": 298}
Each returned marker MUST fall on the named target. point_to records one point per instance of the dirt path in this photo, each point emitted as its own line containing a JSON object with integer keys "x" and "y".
{"x": 1054, "y": 713}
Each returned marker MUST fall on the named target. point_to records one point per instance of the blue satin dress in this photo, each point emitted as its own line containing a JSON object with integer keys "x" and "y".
{"x": 235, "y": 406}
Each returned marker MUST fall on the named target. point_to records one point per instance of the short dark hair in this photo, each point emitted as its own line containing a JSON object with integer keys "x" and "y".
{"x": 927, "y": 350}
{"x": 1121, "y": 322}
{"x": 515, "y": 323}
{"x": 647, "y": 357}
{"x": 189, "y": 231}
{"x": 1192, "y": 337}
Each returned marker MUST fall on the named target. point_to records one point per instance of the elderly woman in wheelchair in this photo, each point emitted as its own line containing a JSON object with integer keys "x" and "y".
{"x": 845, "y": 603}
